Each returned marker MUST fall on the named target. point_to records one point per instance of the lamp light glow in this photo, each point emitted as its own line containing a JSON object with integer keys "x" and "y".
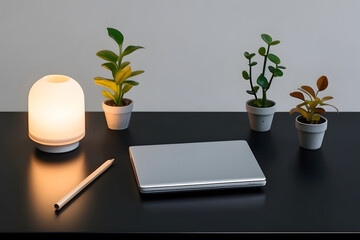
{"x": 56, "y": 113}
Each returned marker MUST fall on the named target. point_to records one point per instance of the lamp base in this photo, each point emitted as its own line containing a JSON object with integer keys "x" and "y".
{"x": 58, "y": 149}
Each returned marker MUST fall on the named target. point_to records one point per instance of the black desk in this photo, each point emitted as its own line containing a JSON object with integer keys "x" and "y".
{"x": 306, "y": 191}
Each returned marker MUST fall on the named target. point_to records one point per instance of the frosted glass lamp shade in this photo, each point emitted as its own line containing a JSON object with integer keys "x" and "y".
{"x": 56, "y": 113}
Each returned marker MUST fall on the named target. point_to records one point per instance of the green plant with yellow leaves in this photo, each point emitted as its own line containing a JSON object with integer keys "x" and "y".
{"x": 310, "y": 109}
{"x": 121, "y": 71}
{"x": 262, "y": 80}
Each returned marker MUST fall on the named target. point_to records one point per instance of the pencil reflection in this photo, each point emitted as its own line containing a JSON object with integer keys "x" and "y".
{"x": 52, "y": 176}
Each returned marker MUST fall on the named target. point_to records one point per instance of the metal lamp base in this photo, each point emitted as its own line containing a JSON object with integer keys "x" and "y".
{"x": 58, "y": 149}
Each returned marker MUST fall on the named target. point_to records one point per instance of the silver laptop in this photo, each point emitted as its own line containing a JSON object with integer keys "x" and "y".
{"x": 195, "y": 166}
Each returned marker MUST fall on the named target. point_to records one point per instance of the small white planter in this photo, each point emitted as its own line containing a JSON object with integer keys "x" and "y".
{"x": 260, "y": 118}
{"x": 311, "y": 135}
{"x": 118, "y": 117}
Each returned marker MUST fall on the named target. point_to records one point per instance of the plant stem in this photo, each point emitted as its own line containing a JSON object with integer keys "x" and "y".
{"x": 311, "y": 115}
{"x": 251, "y": 84}
{"x": 265, "y": 58}
{"x": 121, "y": 98}
{"x": 270, "y": 81}
{"x": 263, "y": 100}
{"x": 119, "y": 95}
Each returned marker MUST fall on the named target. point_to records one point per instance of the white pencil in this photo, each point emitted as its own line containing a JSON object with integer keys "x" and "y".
{"x": 83, "y": 184}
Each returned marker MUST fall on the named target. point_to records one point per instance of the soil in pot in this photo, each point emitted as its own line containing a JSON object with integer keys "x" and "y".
{"x": 303, "y": 120}
{"x": 111, "y": 102}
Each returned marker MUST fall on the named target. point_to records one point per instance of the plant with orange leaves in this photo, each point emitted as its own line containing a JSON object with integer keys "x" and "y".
{"x": 310, "y": 109}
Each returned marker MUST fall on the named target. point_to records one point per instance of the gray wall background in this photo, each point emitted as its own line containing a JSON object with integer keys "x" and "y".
{"x": 193, "y": 56}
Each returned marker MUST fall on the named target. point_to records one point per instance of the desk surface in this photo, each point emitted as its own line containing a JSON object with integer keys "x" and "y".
{"x": 306, "y": 191}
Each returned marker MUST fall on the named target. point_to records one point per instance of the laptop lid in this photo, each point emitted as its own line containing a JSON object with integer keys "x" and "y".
{"x": 195, "y": 166}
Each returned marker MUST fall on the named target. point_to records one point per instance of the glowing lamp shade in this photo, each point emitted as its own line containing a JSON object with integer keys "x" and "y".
{"x": 56, "y": 109}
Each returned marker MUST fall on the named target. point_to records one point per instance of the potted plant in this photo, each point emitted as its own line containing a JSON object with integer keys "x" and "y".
{"x": 311, "y": 125}
{"x": 117, "y": 109}
{"x": 261, "y": 110}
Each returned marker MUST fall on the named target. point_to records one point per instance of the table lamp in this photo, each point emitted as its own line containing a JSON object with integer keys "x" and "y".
{"x": 56, "y": 114}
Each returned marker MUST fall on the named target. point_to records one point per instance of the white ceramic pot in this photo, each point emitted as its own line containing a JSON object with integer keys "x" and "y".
{"x": 311, "y": 135}
{"x": 118, "y": 117}
{"x": 260, "y": 118}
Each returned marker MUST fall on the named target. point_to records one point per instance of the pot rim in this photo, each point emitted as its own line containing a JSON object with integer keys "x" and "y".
{"x": 261, "y": 111}
{"x": 117, "y": 109}
{"x": 247, "y": 103}
{"x": 311, "y": 127}
{"x": 311, "y": 124}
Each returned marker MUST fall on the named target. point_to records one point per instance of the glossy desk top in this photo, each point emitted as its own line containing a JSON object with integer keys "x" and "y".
{"x": 306, "y": 191}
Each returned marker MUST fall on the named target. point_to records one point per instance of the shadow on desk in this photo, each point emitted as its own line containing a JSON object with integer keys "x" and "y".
{"x": 238, "y": 199}
{"x": 244, "y": 192}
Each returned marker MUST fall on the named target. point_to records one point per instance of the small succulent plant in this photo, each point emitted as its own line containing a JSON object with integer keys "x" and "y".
{"x": 121, "y": 71}
{"x": 262, "y": 81}
{"x": 311, "y": 109}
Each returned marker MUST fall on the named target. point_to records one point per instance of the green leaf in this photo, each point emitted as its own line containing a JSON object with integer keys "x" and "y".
{"x": 106, "y": 83}
{"x": 316, "y": 117}
{"x": 267, "y": 104}
{"x": 272, "y": 69}
{"x": 245, "y": 75}
{"x": 262, "y": 81}
{"x": 301, "y": 111}
{"x": 249, "y": 55}
{"x": 128, "y": 84}
{"x": 262, "y": 51}
{"x": 107, "y": 95}
{"x": 122, "y": 75}
{"x": 124, "y": 64}
{"x": 126, "y": 88}
{"x": 131, "y": 82}
{"x": 266, "y": 38}
{"x": 111, "y": 66}
{"x": 101, "y": 78}
{"x": 116, "y": 35}
{"x": 275, "y": 59}
{"x": 282, "y": 67}
{"x": 256, "y": 88}
{"x": 130, "y": 49}
{"x": 257, "y": 102}
{"x": 107, "y": 55}
{"x": 117, "y": 96}
{"x": 134, "y": 73}
{"x": 274, "y": 43}
{"x": 326, "y": 104}
{"x": 252, "y": 64}
{"x": 301, "y": 104}
{"x": 278, "y": 73}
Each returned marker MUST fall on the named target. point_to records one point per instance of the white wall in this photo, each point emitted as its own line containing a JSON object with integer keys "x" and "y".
{"x": 193, "y": 56}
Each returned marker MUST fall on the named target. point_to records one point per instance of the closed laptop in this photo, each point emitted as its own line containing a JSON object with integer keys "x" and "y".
{"x": 195, "y": 166}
